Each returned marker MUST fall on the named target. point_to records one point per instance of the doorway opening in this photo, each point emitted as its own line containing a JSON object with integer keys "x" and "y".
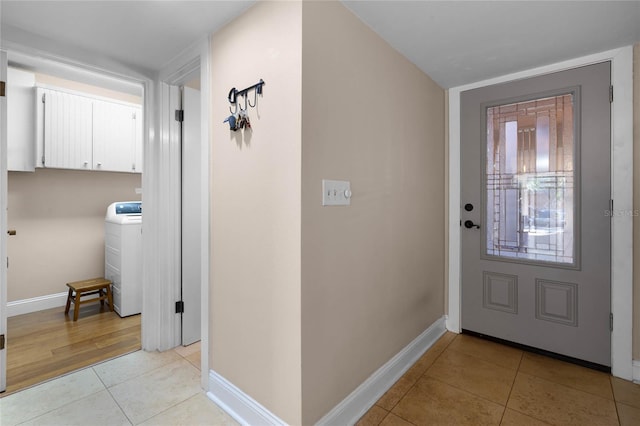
{"x": 59, "y": 191}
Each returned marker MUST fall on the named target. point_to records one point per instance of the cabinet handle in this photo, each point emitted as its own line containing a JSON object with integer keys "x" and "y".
{"x": 99, "y": 164}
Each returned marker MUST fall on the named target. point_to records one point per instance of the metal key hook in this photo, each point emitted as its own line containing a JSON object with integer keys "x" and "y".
{"x": 255, "y": 98}
{"x": 257, "y": 90}
{"x": 244, "y": 95}
{"x": 233, "y": 100}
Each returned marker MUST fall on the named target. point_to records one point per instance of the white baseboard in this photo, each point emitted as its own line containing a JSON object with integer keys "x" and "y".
{"x": 244, "y": 409}
{"x": 248, "y": 411}
{"x": 365, "y": 396}
{"x": 636, "y": 370}
{"x": 35, "y": 304}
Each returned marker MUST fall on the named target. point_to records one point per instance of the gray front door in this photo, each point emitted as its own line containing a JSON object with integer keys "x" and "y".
{"x": 536, "y": 212}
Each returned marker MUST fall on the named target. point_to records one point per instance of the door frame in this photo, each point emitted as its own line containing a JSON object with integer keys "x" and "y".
{"x": 198, "y": 56}
{"x": 3, "y": 222}
{"x": 97, "y": 74}
{"x": 621, "y": 190}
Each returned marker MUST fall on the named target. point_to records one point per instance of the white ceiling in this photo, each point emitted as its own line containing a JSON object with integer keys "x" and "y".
{"x": 461, "y": 42}
{"x": 145, "y": 35}
{"x": 454, "y": 42}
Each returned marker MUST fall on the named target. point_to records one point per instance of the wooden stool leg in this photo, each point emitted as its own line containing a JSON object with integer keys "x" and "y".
{"x": 66, "y": 309}
{"x": 77, "y": 307}
{"x": 100, "y": 296}
{"x": 110, "y": 298}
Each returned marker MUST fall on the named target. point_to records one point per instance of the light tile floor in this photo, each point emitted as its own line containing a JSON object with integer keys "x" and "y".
{"x": 463, "y": 380}
{"x": 460, "y": 380}
{"x": 147, "y": 388}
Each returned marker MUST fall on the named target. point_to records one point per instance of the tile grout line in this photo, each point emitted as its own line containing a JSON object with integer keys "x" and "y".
{"x": 552, "y": 380}
{"x": 568, "y": 387}
{"x": 148, "y": 372}
{"x": 66, "y": 404}
{"x": 615, "y": 402}
{"x": 400, "y": 417}
{"x": 418, "y": 379}
{"x": 506, "y": 404}
{"x": 108, "y": 389}
{"x": 465, "y": 390}
{"x": 169, "y": 408}
{"x": 112, "y": 397}
{"x": 413, "y": 385}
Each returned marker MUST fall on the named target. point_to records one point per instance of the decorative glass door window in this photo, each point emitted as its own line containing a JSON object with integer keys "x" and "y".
{"x": 530, "y": 180}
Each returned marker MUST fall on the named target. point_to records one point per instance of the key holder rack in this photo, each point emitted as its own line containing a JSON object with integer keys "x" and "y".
{"x": 234, "y": 93}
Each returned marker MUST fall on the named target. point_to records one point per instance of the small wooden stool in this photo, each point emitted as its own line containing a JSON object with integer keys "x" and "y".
{"x": 99, "y": 286}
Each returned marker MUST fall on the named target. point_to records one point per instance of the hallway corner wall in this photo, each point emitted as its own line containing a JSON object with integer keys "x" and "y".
{"x": 372, "y": 272}
{"x": 255, "y": 209}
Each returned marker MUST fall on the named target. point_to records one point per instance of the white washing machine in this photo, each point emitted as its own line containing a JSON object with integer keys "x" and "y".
{"x": 123, "y": 255}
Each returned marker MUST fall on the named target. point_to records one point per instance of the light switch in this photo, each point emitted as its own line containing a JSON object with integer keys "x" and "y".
{"x": 336, "y": 192}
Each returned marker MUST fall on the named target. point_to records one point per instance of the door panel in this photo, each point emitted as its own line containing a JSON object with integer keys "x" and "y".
{"x": 536, "y": 169}
{"x": 191, "y": 206}
{"x": 3, "y": 222}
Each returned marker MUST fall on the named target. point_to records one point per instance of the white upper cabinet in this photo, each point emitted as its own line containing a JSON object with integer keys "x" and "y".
{"x": 116, "y": 135}
{"x": 20, "y": 120}
{"x": 82, "y": 132}
{"x": 65, "y": 130}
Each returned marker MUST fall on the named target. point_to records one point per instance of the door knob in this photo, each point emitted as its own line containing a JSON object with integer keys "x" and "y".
{"x": 469, "y": 224}
{"x": 11, "y": 232}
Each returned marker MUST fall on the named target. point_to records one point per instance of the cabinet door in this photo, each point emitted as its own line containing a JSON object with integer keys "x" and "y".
{"x": 66, "y": 130}
{"x": 114, "y": 136}
{"x": 20, "y": 116}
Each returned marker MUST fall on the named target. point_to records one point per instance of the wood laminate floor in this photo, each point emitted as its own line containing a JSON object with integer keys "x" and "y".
{"x": 46, "y": 344}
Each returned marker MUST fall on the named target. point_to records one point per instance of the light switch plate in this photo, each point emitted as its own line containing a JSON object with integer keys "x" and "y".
{"x": 336, "y": 192}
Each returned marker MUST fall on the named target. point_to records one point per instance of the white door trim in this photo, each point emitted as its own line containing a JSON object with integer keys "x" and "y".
{"x": 3, "y": 222}
{"x": 189, "y": 60}
{"x": 118, "y": 78}
{"x": 622, "y": 193}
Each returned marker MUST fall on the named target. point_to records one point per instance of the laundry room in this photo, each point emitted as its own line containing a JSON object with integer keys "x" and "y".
{"x": 66, "y": 164}
{"x": 74, "y": 150}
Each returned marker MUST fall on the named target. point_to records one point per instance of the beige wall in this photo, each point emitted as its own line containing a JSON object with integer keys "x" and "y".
{"x": 636, "y": 201}
{"x": 373, "y": 272}
{"x": 59, "y": 219}
{"x": 86, "y": 88}
{"x": 307, "y": 302}
{"x": 255, "y": 195}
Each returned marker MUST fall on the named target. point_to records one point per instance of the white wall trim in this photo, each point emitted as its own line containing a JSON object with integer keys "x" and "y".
{"x": 365, "y": 396}
{"x": 622, "y": 192}
{"x": 111, "y": 75}
{"x": 636, "y": 371}
{"x": 35, "y": 304}
{"x": 247, "y": 411}
{"x": 205, "y": 219}
{"x": 244, "y": 409}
